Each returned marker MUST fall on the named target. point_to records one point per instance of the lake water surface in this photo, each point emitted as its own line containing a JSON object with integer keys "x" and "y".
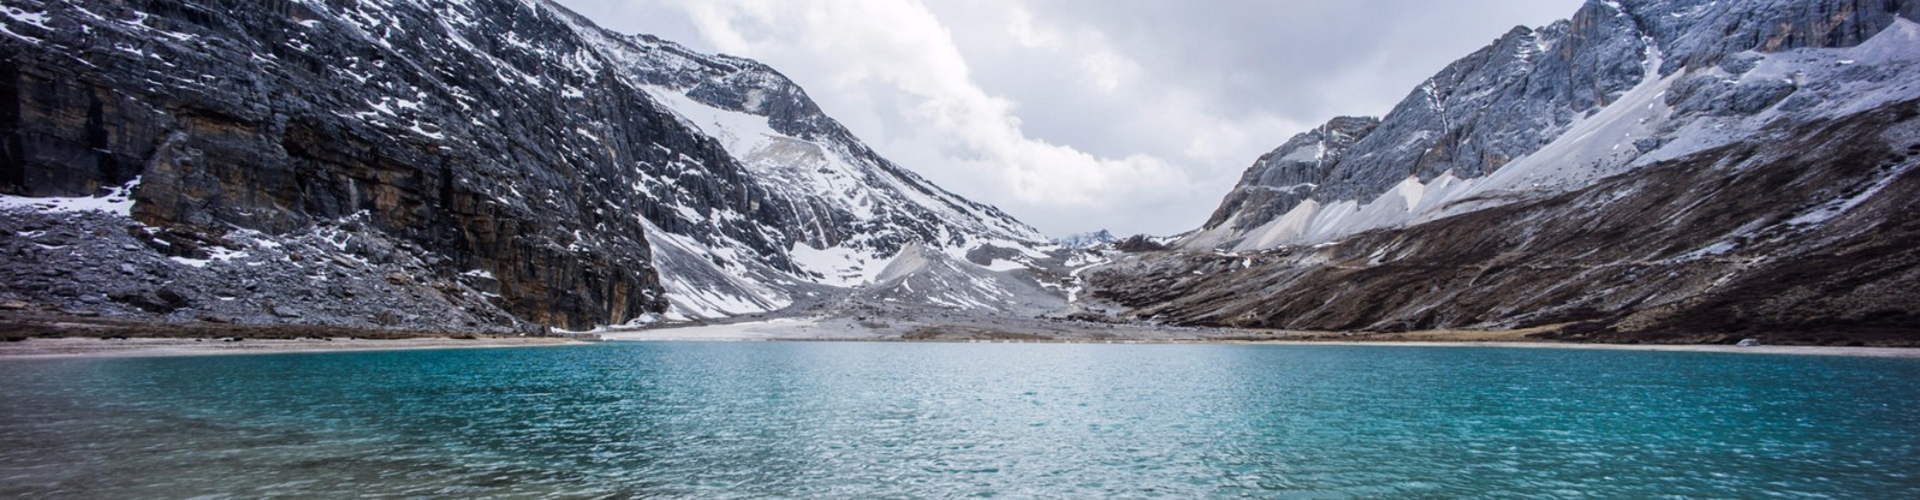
{"x": 932, "y": 420}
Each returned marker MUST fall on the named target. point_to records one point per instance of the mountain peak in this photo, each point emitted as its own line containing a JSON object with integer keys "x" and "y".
{"x": 1541, "y": 111}
{"x": 1084, "y": 240}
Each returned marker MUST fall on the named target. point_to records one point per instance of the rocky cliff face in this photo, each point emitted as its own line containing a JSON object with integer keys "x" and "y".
{"x": 1543, "y": 111}
{"x": 1288, "y": 175}
{"x": 1804, "y": 237}
{"x": 846, "y": 210}
{"x": 516, "y": 152}
{"x": 1672, "y": 171}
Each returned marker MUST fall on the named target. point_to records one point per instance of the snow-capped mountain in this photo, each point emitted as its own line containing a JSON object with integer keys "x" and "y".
{"x": 1539, "y": 112}
{"x": 1663, "y": 170}
{"x": 848, "y": 210}
{"x": 1084, "y": 240}
{"x": 498, "y": 154}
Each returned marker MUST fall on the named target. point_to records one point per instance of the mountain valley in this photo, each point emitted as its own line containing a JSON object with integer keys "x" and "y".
{"x": 1660, "y": 172}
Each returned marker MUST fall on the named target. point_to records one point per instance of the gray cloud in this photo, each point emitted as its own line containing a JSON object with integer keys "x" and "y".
{"x": 1133, "y": 115}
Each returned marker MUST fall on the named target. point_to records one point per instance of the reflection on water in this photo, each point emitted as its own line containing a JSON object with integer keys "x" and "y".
{"x": 863, "y": 420}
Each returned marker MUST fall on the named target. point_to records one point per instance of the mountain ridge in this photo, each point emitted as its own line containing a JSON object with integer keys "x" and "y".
{"x": 1643, "y": 171}
{"x": 505, "y": 157}
{"x": 1745, "y": 175}
{"x": 1503, "y": 107}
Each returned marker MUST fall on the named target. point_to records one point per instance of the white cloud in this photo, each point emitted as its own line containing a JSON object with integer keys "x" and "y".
{"x": 1020, "y": 26}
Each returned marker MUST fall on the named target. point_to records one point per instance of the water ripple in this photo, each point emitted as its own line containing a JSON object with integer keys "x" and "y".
{"x": 840, "y": 420}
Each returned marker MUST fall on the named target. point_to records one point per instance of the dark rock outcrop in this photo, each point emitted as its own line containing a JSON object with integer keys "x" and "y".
{"x": 1285, "y": 176}
{"x": 345, "y": 275}
{"x": 1138, "y": 243}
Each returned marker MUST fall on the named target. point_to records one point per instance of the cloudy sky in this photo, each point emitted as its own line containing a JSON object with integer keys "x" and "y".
{"x": 1130, "y": 115}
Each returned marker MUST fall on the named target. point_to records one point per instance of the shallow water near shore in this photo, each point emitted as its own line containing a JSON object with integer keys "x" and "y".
{"x": 862, "y": 420}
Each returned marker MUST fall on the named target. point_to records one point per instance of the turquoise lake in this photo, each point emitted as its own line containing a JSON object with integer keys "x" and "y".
{"x": 935, "y": 420}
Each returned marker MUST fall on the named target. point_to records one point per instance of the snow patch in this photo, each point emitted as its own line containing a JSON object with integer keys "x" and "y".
{"x": 215, "y": 253}
{"x": 839, "y": 266}
{"x": 698, "y": 287}
{"x": 740, "y": 133}
{"x": 117, "y": 200}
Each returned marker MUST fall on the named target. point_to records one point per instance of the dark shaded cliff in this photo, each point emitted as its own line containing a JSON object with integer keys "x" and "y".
{"x": 450, "y": 125}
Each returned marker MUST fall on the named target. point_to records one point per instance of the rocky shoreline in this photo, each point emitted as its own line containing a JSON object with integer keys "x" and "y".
{"x": 90, "y": 264}
{"x": 72, "y": 347}
{"x": 55, "y": 336}
{"x": 42, "y": 334}
{"x": 1004, "y": 330}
